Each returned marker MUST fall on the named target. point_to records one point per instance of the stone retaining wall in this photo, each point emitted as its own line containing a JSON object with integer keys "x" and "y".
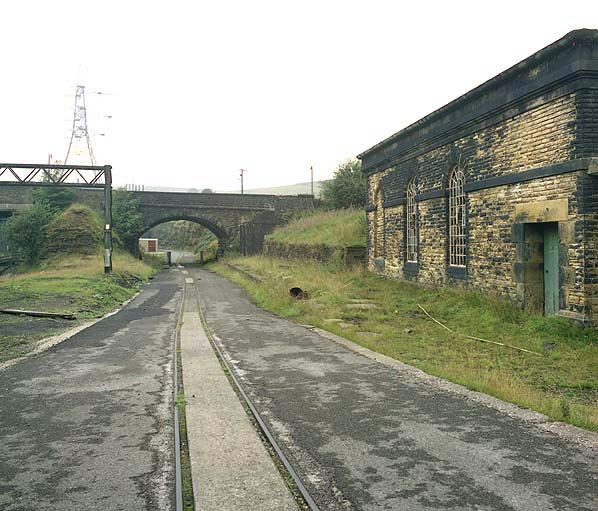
{"x": 320, "y": 252}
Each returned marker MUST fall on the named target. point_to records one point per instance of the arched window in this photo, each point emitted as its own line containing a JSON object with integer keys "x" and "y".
{"x": 411, "y": 223}
{"x": 378, "y": 221}
{"x": 457, "y": 218}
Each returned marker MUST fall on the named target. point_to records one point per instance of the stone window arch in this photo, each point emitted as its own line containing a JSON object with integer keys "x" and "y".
{"x": 411, "y": 222}
{"x": 457, "y": 218}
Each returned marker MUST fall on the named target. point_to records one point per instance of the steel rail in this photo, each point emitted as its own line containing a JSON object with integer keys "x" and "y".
{"x": 177, "y": 435}
{"x": 262, "y": 424}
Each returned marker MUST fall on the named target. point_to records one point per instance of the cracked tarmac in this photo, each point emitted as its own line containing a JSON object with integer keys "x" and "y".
{"x": 88, "y": 424}
{"x": 367, "y": 436}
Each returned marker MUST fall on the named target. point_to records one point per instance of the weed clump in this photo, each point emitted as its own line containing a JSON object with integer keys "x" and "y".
{"x": 77, "y": 230}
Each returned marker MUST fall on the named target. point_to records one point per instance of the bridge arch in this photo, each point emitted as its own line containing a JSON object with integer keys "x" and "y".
{"x": 210, "y": 224}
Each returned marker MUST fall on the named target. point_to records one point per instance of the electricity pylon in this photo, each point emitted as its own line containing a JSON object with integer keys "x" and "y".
{"x": 80, "y": 144}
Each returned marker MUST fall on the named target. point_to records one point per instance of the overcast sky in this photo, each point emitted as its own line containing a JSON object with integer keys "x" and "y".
{"x": 201, "y": 89}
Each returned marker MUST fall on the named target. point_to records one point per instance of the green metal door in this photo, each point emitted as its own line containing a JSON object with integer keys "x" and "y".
{"x": 551, "y": 268}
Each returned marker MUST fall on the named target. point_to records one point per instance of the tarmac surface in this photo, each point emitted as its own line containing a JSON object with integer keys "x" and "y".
{"x": 88, "y": 424}
{"x": 367, "y": 436}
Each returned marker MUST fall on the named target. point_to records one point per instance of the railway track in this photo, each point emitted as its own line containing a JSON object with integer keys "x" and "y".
{"x": 304, "y": 500}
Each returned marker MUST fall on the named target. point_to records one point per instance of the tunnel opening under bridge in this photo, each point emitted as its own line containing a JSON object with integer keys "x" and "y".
{"x": 189, "y": 239}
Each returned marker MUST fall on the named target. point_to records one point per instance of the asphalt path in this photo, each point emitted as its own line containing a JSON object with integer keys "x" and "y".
{"x": 182, "y": 257}
{"x": 88, "y": 425}
{"x": 365, "y": 436}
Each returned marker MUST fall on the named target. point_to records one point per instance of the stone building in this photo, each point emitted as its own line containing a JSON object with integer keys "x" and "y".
{"x": 498, "y": 190}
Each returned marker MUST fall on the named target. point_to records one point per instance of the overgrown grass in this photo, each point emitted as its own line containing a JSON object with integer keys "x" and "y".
{"x": 210, "y": 251}
{"x": 338, "y": 228}
{"x": 560, "y": 381}
{"x": 72, "y": 284}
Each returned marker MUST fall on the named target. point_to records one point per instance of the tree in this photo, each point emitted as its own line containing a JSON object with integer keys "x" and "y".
{"x": 347, "y": 187}
{"x": 57, "y": 198}
{"x": 26, "y": 231}
{"x": 127, "y": 220}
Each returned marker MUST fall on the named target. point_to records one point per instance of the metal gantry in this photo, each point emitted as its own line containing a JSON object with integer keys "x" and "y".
{"x": 53, "y": 174}
{"x": 75, "y": 176}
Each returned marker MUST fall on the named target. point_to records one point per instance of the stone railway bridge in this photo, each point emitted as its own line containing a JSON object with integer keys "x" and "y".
{"x": 225, "y": 214}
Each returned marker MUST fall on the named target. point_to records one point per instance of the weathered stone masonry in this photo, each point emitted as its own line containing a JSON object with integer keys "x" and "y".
{"x": 527, "y": 142}
{"x": 251, "y": 216}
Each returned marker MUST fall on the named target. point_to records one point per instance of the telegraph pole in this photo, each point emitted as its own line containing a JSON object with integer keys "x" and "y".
{"x": 311, "y": 170}
{"x": 242, "y": 171}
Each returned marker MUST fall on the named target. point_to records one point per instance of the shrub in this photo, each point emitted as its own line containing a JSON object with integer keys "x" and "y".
{"x": 25, "y": 232}
{"x": 56, "y": 198}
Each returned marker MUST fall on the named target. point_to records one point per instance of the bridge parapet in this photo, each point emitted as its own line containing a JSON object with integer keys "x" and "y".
{"x": 227, "y": 200}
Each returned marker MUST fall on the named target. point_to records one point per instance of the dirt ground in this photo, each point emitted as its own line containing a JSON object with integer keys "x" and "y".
{"x": 19, "y": 334}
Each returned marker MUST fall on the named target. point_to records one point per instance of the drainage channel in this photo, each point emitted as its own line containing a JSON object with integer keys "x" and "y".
{"x": 297, "y": 488}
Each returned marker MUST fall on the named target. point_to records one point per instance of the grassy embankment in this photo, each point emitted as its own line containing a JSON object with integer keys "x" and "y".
{"x": 73, "y": 284}
{"x": 560, "y": 379}
{"x": 333, "y": 228}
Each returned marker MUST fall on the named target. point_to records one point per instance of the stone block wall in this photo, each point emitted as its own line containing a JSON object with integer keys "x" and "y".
{"x": 591, "y": 245}
{"x": 493, "y": 244}
{"x": 301, "y": 251}
{"x": 492, "y": 252}
{"x": 525, "y": 141}
{"x": 13, "y": 198}
{"x": 587, "y": 146}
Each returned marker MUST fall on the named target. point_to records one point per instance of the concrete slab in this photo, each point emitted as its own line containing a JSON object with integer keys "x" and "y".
{"x": 230, "y": 466}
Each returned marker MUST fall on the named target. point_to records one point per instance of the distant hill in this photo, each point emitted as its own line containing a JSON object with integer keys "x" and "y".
{"x": 296, "y": 189}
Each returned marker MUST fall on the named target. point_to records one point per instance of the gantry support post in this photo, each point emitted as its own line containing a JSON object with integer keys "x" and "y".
{"x": 107, "y": 219}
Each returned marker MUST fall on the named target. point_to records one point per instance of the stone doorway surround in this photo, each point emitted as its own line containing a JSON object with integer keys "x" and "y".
{"x": 532, "y": 222}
